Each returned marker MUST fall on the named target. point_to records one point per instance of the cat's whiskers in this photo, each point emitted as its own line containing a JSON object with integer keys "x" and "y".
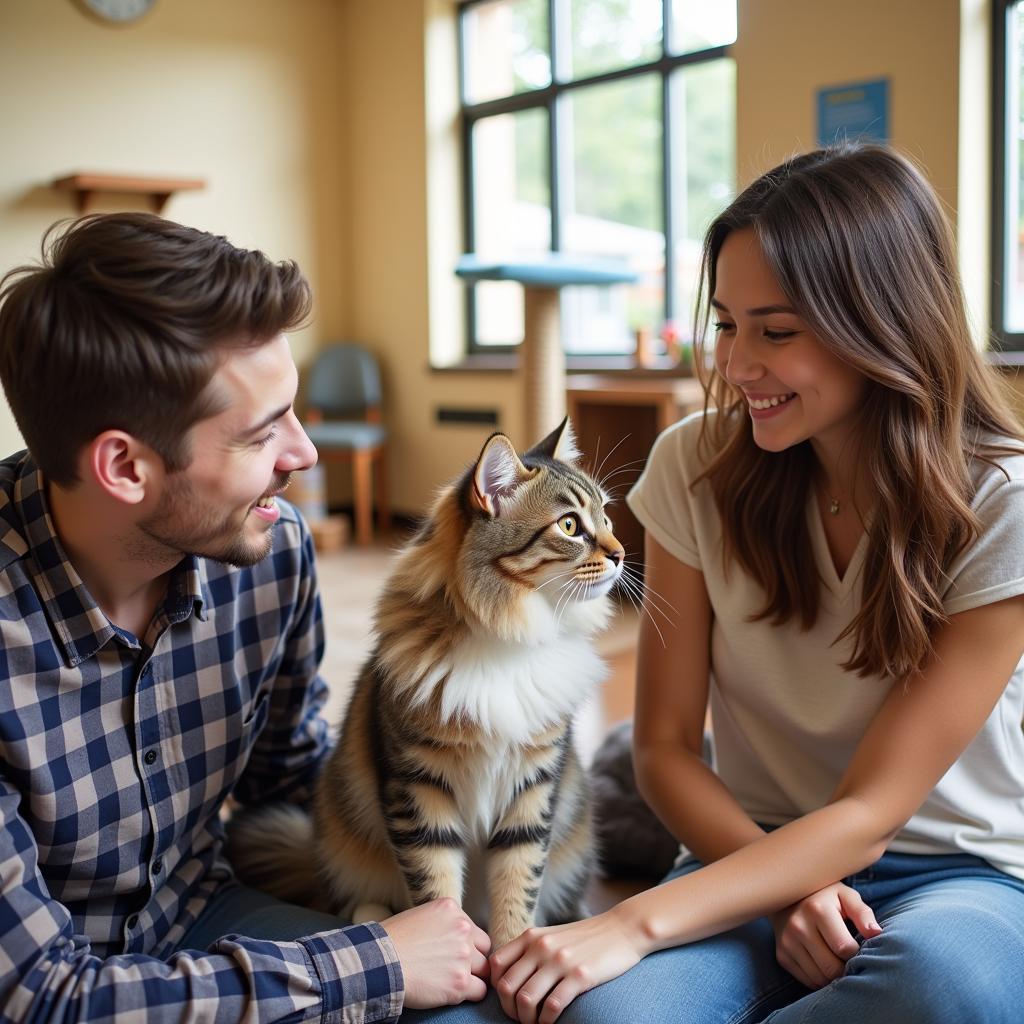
{"x": 572, "y": 593}
{"x": 628, "y": 588}
{"x": 597, "y": 472}
{"x": 564, "y": 597}
{"x": 557, "y": 576}
{"x": 577, "y": 587}
{"x": 646, "y": 600}
{"x": 633, "y": 591}
{"x": 658, "y": 601}
{"x": 626, "y": 467}
{"x": 597, "y": 455}
{"x": 648, "y": 594}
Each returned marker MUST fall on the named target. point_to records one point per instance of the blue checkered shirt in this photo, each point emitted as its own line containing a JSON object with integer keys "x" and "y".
{"x": 115, "y": 758}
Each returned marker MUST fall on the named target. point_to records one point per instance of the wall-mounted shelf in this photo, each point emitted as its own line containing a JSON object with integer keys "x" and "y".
{"x": 86, "y": 186}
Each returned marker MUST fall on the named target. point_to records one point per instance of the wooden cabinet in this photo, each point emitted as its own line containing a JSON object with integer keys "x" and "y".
{"x": 616, "y": 420}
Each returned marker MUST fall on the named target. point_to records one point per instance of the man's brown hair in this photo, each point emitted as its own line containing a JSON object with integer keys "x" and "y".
{"x": 120, "y": 327}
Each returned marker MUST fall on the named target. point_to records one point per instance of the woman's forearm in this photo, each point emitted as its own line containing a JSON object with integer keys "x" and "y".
{"x": 758, "y": 878}
{"x": 692, "y": 802}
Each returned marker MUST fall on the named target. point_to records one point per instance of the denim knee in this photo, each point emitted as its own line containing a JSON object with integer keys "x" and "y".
{"x": 957, "y": 959}
{"x": 948, "y": 956}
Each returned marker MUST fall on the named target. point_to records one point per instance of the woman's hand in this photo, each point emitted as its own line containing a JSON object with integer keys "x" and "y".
{"x": 538, "y": 974}
{"x": 812, "y": 940}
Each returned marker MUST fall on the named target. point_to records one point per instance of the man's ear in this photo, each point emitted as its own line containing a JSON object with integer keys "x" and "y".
{"x": 499, "y": 471}
{"x": 123, "y": 467}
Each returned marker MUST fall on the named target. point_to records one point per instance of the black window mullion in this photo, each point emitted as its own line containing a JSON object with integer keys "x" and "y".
{"x": 556, "y": 168}
{"x": 469, "y": 219}
{"x": 468, "y": 178}
{"x": 1003, "y": 138}
{"x": 535, "y": 97}
{"x": 668, "y": 214}
{"x": 558, "y": 44}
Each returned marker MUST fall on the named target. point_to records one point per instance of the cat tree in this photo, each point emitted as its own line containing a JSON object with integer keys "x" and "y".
{"x": 542, "y": 355}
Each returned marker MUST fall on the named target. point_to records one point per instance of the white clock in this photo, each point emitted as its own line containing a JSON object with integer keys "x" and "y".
{"x": 118, "y": 11}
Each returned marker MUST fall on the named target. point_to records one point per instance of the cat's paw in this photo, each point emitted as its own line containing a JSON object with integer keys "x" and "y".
{"x": 502, "y": 933}
{"x": 370, "y": 912}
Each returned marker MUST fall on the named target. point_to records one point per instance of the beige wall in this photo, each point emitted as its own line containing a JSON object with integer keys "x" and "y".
{"x": 787, "y": 49}
{"x": 328, "y": 132}
{"x": 394, "y": 168}
{"x": 244, "y": 93}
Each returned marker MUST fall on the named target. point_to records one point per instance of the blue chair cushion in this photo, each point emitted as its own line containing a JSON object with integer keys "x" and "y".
{"x": 345, "y": 436}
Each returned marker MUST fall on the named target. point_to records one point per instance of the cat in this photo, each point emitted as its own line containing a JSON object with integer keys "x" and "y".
{"x": 455, "y": 773}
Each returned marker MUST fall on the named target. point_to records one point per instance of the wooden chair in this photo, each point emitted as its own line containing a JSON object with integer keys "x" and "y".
{"x": 343, "y": 420}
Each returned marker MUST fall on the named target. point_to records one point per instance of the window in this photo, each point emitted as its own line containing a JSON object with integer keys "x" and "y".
{"x": 597, "y": 128}
{"x": 1008, "y": 194}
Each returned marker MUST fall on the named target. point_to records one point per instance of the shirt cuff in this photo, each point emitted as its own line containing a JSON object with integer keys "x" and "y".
{"x": 360, "y": 976}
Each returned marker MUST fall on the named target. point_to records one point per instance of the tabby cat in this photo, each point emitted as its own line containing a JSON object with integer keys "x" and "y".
{"x": 455, "y": 773}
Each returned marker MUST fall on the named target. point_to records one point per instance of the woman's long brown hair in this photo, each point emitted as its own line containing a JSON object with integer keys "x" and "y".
{"x": 860, "y": 247}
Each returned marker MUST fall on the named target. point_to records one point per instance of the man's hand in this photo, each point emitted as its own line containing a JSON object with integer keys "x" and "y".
{"x": 443, "y": 954}
{"x": 812, "y": 940}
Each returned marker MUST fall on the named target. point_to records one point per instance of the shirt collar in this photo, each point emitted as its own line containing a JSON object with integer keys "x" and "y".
{"x": 78, "y": 623}
{"x": 188, "y": 589}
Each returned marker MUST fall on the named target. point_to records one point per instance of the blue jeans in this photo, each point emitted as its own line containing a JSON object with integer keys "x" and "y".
{"x": 238, "y": 910}
{"x": 950, "y": 952}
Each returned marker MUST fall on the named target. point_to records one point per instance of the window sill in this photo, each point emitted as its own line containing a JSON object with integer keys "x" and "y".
{"x": 1004, "y": 358}
{"x": 508, "y": 362}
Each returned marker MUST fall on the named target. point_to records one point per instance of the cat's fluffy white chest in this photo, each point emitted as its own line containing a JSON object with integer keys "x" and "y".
{"x": 514, "y": 691}
{"x": 485, "y": 786}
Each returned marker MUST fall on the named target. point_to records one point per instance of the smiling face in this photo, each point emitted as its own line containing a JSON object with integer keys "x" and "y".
{"x": 221, "y": 506}
{"x": 796, "y": 389}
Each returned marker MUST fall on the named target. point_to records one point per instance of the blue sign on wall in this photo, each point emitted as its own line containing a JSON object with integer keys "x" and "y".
{"x": 856, "y": 111}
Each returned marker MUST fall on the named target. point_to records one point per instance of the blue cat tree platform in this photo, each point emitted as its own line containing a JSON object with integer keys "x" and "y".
{"x": 542, "y": 355}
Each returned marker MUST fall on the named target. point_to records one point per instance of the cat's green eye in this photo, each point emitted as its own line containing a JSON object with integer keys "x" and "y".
{"x": 569, "y": 525}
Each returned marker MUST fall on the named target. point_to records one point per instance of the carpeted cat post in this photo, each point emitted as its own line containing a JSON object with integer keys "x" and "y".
{"x": 542, "y": 356}
{"x": 542, "y": 360}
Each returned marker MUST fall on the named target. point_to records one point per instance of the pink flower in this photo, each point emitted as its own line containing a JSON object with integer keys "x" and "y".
{"x": 669, "y": 333}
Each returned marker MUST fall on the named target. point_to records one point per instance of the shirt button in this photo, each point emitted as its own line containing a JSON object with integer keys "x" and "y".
{"x": 150, "y": 756}
{"x": 132, "y": 921}
{"x": 157, "y": 866}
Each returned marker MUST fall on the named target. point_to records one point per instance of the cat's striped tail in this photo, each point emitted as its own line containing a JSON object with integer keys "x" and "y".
{"x": 272, "y": 849}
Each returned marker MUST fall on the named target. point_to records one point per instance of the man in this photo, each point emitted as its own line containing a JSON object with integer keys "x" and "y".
{"x": 160, "y": 635}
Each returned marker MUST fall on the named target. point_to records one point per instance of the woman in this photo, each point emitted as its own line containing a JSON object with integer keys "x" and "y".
{"x": 842, "y": 542}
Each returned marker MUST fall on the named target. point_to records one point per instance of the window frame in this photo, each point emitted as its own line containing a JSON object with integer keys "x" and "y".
{"x": 549, "y": 97}
{"x": 1003, "y": 340}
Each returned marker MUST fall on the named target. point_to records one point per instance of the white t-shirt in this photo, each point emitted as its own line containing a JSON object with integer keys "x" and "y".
{"x": 787, "y": 717}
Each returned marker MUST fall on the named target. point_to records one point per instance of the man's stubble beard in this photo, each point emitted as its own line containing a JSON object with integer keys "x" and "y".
{"x": 217, "y": 538}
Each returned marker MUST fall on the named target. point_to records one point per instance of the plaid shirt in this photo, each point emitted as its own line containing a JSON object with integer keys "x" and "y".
{"x": 115, "y": 759}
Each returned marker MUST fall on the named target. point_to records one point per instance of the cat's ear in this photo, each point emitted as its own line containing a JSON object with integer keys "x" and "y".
{"x": 499, "y": 471}
{"x": 559, "y": 444}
